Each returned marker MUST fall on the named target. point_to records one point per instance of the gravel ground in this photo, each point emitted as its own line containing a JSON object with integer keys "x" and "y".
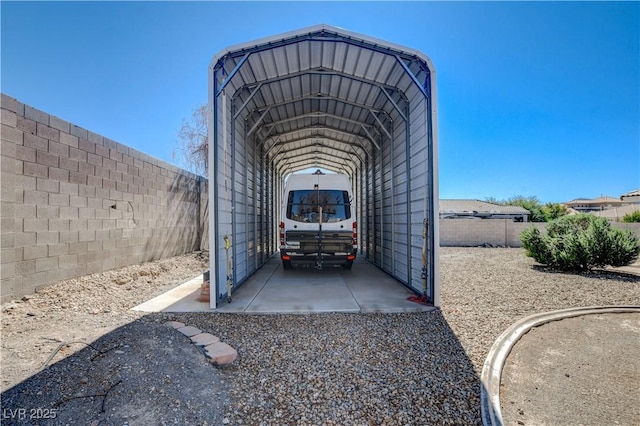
{"x": 409, "y": 368}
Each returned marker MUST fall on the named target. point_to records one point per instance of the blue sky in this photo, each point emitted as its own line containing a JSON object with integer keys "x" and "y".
{"x": 534, "y": 98}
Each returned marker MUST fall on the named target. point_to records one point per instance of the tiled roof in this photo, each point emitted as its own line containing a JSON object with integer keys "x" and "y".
{"x": 593, "y": 201}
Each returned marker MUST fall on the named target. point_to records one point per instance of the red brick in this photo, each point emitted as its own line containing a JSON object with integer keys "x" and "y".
{"x": 204, "y": 339}
{"x": 189, "y": 331}
{"x": 221, "y": 353}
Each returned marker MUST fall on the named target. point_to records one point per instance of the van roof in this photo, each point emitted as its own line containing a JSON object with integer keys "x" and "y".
{"x": 326, "y": 181}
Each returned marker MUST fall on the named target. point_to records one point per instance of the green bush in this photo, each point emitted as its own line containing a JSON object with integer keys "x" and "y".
{"x": 538, "y": 212}
{"x": 581, "y": 243}
{"x": 632, "y": 217}
{"x": 552, "y": 211}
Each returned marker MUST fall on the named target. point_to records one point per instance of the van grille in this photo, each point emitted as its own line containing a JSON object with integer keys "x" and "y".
{"x": 332, "y": 242}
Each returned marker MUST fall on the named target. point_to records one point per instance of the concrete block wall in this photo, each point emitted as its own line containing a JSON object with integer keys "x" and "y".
{"x": 497, "y": 232}
{"x": 635, "y": 227}
{"x": 476, "y": 232}
{"x": 75, "y": 202}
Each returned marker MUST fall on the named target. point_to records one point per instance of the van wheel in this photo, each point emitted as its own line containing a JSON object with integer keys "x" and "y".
{"x": 347, "y": 266}
{"x": 286, "y": 264}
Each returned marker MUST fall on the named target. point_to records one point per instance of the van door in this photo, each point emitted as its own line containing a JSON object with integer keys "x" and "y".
{"x": 318, "y": 227}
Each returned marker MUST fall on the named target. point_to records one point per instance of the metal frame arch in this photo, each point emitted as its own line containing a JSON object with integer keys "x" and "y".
{"x": 410, "y": 79}
{"x": 386, "y": 90}
{"x": 322, "y": 148}
{"x": 358, "y": 138}
{"x": 318, "y": 33}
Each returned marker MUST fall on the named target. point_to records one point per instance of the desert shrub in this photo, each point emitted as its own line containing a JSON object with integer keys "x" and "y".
{"x": 581, "y": 243}
{"x": 632, "y": 217}
{"x": 535, "y": 246}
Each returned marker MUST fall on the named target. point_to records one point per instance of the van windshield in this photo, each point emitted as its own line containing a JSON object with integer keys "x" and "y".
{"x": 304, "y": 205}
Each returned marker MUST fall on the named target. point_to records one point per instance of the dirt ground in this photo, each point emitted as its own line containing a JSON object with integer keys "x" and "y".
{"x": 75, "y": 352}
{"x": 83, "y": 309}
{"x": 589, "y": 361}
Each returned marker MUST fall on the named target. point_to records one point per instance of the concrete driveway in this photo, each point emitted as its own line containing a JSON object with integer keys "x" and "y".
{"x": 364, "y": 288}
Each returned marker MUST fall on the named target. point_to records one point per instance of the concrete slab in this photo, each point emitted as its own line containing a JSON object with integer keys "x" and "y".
{"x": 364, "y": 288}
{"x": 305, "y": 295}
{"x": 249, "y": 291}
{"x": 376, "y": 291}
{"x": 183, "y": 298}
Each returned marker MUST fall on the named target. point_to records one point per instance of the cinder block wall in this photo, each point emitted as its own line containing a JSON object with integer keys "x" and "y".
{"x": 475, "y": 232}
{"x": 497, "y": 232}
{"x": 75, "y": 203}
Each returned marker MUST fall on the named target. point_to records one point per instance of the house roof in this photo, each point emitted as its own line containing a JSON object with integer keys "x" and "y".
{"x": 477, "y": 206}
{"x": 593, "y": 201}
{"x": 632, "y": 196}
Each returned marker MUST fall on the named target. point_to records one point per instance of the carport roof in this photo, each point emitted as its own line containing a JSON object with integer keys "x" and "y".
{"x": 320, "y": 28}
{"x": 319, "y": 96}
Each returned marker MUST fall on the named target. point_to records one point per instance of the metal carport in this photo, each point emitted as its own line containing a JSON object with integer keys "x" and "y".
{"x": 328, "y": 98}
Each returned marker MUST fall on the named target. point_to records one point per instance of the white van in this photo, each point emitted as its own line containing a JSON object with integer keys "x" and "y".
{"x": 318, "y": 221}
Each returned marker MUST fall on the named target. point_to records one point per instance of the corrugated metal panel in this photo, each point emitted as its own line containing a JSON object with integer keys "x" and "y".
{"x": 324, "y": 97}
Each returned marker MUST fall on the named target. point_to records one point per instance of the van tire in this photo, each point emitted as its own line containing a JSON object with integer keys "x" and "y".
{"x": 286, "y": 264}
{"x": 347, "y": 266}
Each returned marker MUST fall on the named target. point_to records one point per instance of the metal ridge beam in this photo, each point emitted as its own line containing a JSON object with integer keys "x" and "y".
{"x": 322, "y": 72}
{"x": 357, "y": 136}
{"x": 312, "y": 138}
{"x": 318, "y": 114}
{"x": 318, "y": 148}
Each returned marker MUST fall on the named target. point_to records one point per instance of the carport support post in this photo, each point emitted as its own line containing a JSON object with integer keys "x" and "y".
{"x": 212, "y": 188}
{"x": 234, "y": 212}
{"x": 434, "y": 213}
{"x": 407, "y": 147}
{"x": 381, "y": 172}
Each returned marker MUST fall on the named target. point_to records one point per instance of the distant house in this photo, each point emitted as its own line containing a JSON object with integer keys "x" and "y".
{"x": 475, "y": 209}
{"x": 586, "y": 205}
{"x": 617, "y": 213}
{"x": 631, "y": 197}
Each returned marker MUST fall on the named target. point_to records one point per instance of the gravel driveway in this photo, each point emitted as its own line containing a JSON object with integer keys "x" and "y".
{"x": 409, "y": 368}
